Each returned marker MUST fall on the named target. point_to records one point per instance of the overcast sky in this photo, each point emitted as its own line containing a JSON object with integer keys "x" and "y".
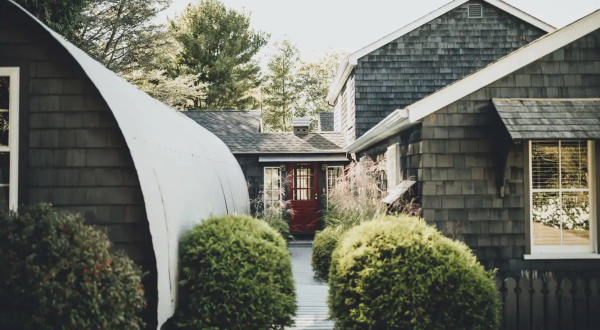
{"x": 318, "y": 26}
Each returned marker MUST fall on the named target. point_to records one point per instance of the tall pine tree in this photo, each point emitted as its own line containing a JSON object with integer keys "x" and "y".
{"x": 219, "y": 46}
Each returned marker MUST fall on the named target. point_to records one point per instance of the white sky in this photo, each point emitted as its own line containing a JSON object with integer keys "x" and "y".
{"x": 319, "y": 26}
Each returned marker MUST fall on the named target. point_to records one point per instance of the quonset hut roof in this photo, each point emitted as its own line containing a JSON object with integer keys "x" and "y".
{"x": 186, "y": 173}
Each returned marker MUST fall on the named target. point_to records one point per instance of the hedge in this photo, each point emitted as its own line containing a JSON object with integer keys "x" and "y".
{"x": 236, "y": 274}
{"x": 399, "y": 273}
{"x": 323, "y": 247}
{"x": 57, "y": 273}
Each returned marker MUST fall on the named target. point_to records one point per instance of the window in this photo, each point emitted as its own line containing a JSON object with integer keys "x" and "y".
{"x": 475, "y": 11}
{"x": 333, "y": 174}
{"x": 9, "y": 137}
{"x": 392, "y": 158}
{"x": 273, "y": 191}
{"x": 304, "y": 183}
{"x": 562, "y": 214}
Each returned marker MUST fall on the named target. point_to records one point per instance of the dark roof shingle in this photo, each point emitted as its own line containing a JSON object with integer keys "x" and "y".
{"x": 239, "y": 130}
{"x": 534, "y": 119}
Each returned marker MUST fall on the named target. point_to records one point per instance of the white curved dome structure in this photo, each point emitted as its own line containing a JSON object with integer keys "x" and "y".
{"x": 186, "y": 173}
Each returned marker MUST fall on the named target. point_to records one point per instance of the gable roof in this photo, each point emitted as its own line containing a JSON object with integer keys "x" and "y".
{"x": 400, "y": 119}
{"x": 240, "y": 132}
{"x": 352, "y": 60}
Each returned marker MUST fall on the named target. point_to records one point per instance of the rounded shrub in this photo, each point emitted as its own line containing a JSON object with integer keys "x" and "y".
{"x": 280, "y": 225}
{"x": 399, "y": 273}
{"x": 323, "y": 247}
{"x": 236, "y": 274}
{"x": 57, "y": 273}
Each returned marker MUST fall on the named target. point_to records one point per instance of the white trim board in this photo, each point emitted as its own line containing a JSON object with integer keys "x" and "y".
{"x": 302, "y": 158}
{"x": 484, "y": 77}
{"x": 13, "y": 134}
{"x": 352, "y": 60}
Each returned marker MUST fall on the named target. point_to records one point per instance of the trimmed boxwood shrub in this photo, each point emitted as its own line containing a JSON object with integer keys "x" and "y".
{"x": 57, "y": 273}
{"x": 323, "y": 247}
{"x": 280, "y": 225}
{"x": 236, "y": 274}
{"x": 399, "y": 273}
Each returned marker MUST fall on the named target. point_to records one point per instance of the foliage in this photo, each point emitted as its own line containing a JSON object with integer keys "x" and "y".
{"x": 398, "y": 273}
{"x": 293, "y": 88}
{"x": 61, "y": 16}
{"x": 315, "y": 79}
{"x": 57, "y": 273}
{"x": 236, "y": 274}
{"x": 356, "y": 196}
{"x": 178, "y": 92}
{"x": 219, "y": 47}
{"x": 282, "y": 88}
{"x": 323, "y": 247}
{"x": 120, "y": 34}
{"x": 574, "y": 213}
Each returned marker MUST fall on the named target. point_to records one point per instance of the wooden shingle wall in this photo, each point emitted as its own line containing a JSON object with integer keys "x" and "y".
{"x": 461, "y": 141}
{"x": 432, "y": 57}
{"x": 73, "y": 153}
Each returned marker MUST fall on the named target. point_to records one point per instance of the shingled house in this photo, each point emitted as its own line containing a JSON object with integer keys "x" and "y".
{"x": 296, "y": 166}
{"x": 504, "y": 157}
{"x": 80, "y": 137}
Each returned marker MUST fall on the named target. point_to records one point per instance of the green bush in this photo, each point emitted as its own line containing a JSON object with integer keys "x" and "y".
{"x": 281, "y": 226}
{"x": 57, "y": 273}
{"x": 236, "y": 274}
{"x": 323, "y": 246}
{"x": 398, "y": 273}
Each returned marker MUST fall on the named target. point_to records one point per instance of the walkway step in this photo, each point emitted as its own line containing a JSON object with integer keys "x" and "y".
{"x": 311, "y": 293}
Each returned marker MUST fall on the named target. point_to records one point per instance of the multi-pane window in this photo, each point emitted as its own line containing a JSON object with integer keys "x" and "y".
{"x": 562, "y": 215}
{"x": 303, "y": 183}
{"x": 272, "y": 189}
{"x": 333, "y": 174}
{"x": 9, "y": 137}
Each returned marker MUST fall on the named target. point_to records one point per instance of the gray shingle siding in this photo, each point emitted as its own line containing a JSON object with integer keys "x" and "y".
{"x": 460, "y": 143}
{"x": 433, "y": 56}
{"x": 72, "y": 152}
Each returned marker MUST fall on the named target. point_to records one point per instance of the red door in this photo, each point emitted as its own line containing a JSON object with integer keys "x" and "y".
{"x": 304, "y": 198}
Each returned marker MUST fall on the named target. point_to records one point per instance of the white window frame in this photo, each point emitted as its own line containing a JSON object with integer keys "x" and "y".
{"x": 328, "y": 177}
{"x": 271, "y": 190}
{"x": 565, "y": 252}
{"x": 13, "y": 135}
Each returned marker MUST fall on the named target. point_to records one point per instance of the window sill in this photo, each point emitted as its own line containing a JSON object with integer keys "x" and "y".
{"x": 562, "y": 256}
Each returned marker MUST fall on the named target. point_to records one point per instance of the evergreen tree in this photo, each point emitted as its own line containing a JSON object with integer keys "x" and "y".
{"x": 219, "y": 46}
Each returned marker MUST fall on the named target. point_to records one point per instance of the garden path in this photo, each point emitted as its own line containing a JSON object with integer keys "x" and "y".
{"x": 311, "y": 293}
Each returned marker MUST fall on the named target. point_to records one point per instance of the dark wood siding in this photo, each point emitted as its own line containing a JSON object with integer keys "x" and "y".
{"x": 459, "y": 154}
{"x": 74, "y": 154}
{"x": 431, "y": 57}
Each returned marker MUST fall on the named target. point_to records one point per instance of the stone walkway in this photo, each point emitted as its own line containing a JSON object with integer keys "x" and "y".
{"x": 312, "y": 311}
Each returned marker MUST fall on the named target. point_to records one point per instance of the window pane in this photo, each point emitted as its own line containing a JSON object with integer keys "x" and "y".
{"x": 4, "y": 92}
{"x": 544, "y": 166}
{"x": 4, "y": 128}
{"x": 546, "y": 219}
{"x": 576, "y": 218}
{"x": 4, "y": 168}
{"x": 574, "y": 164}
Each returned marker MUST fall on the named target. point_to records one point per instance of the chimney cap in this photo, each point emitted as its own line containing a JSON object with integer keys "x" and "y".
{"x": 301, "y": 122}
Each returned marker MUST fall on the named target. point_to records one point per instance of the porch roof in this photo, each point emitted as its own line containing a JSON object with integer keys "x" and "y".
{"x": 542, "y": 119}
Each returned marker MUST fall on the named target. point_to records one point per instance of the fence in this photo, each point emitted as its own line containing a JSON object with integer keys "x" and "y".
{"x": 549, "y": 304}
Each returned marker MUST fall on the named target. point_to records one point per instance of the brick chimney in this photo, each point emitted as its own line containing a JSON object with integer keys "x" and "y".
{"x": 301, "y": 125}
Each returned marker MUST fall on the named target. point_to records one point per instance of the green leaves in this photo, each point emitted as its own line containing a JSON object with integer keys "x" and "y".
{"x": 218, "y": 45}
{"x": 236, "y": 274}
{"x": 398, "y": 273}
{"x": 323, "y": 247}
{"x": 57, "y": 273}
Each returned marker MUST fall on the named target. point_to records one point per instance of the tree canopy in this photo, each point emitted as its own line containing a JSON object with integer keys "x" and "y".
{"x": 219, "y": 46}
{"x": 61, "y": 16}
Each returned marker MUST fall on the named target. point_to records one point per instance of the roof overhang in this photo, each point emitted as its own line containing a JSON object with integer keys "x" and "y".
{"x": 394, "y": 123}
{"x": 303, "y": 158}
{"x": 352, "y": 60}
{"x": 391, "y": 125}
